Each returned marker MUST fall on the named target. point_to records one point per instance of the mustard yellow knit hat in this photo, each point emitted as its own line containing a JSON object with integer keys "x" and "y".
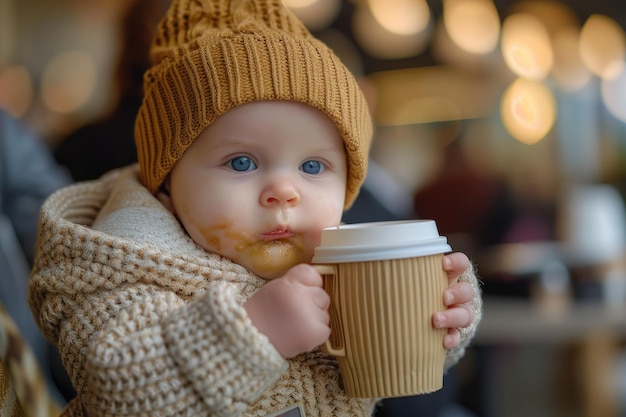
{"x": 212, "y": 55}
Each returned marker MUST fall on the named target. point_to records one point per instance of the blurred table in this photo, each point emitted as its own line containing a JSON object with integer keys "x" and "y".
{"x": 598, "y": 328}
{"x": 533, "y": 257}
{"x": 522, "y": 321}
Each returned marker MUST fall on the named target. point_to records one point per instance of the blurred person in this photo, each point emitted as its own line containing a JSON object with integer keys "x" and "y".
{"x": 28, "y": 175}
{"x": 458, "y": 181}
{"x": 108, "y": 142}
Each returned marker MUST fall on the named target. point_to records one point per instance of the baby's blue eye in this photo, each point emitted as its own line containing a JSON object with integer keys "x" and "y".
{"x": 241, "y": 164}
{"x": 312, "y": 167}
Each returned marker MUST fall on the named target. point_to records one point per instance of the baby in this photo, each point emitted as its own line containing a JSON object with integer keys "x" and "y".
{"x": 182, "y": 286}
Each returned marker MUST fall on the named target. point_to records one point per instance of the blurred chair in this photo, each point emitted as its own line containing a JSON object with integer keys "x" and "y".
{"x": 23, "y": 387}
{"x": 9, "y": 403}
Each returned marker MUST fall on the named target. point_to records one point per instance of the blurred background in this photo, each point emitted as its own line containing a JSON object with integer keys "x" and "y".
{"x": 503, "y": 120}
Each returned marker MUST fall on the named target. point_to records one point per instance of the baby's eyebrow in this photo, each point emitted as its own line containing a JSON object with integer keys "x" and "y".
{"x": 328, "y": 150}
{"x": 227, "y": 143}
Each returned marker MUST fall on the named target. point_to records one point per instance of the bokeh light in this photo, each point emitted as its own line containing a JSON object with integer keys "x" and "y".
{"x": 554, "y": 15}
{"x": 473, "y": 25}
{"x": 315, "y": 14}
{"x": 526, "y": 46}
{"x": 408, "y": 37}
{"x": 68, "y": 81}
{"x": 528, "y": 110}
{"x": 402, "y": 17}
{"x": 16, "y": 90}
{"x": 602, "y": 46}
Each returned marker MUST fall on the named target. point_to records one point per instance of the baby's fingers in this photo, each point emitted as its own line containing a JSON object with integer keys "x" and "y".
{"x": 459, "y": 293}
{"x": 455, "y": 264}
{"x": 452, "y": 339}
{"x": 452, "y": 318}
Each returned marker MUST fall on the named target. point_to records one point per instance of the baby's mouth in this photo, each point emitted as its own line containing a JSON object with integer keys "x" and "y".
{"x": 277, "y": 234}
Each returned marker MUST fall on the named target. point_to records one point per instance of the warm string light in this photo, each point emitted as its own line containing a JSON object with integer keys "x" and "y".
{"x": 315, "y": 14}
{"x": 391, "y": 29}
{"x": 473, "y": 25}
{"x": 402, "y": 17}
{"x": 526, "y": 46}
{"x": 528, "y": 110}
{"x": 602, "y": 46}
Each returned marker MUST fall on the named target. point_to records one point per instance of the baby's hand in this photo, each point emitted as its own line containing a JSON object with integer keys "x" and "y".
{"x": 292, "y": 311}
{"x": 454, "y": 297}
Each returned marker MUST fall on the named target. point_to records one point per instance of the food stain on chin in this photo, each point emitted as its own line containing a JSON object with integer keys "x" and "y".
{"x": 215, "y": 235}
{"x": 267, "y": 258}
{"x": 271, "y": 259}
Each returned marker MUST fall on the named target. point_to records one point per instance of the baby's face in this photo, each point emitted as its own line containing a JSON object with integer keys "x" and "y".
{"x": 260, "y": 183}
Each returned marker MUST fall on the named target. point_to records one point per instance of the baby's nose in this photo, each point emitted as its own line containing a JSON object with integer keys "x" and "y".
{"x": 279, "y": 193}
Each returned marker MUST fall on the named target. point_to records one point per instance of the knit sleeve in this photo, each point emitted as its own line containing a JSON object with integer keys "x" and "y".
{"x": 467, "y": 333}
{"x": 168, "y": 358}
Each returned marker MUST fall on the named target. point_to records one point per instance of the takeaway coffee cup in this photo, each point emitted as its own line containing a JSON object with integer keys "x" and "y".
{"x": 385, "y": 281}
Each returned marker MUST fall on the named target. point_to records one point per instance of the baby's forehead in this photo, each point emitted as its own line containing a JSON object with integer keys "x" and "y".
{"x": 283, "y": 107}
{"x": 265, "y": 119}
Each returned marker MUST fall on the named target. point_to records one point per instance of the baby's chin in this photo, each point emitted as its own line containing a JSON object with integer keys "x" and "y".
{"x": 270, "y": 260}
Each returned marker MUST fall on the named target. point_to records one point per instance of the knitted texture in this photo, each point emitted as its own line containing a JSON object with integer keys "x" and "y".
{"x": 211, "y": 56}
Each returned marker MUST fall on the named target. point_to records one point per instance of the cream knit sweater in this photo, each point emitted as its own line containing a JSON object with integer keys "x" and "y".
{"x": 149, "y": 324}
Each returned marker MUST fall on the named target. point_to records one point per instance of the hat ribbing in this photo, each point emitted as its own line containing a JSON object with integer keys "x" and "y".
{"x": 211, "y": 56}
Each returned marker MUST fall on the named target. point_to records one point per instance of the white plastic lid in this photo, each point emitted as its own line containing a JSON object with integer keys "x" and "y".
{"x": 380, "y": 240}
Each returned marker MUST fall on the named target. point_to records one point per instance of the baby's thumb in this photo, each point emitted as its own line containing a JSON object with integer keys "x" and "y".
{"x": 305, "y": 274}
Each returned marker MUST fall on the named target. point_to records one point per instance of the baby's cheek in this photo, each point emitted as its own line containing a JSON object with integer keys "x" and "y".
{"x": 220, "y": 237}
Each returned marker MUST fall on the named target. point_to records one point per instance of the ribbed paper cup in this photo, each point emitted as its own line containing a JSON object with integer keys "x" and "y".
{"x": 385, "y": 280}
